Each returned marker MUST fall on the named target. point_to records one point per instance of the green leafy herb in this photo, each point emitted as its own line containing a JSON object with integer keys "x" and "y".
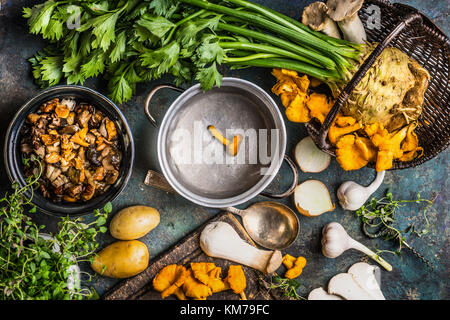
{"x": 378, "y": 218}
{"x": 132, "y": 41}
{"x": 33, "y": 266}
{"x": 287, "y": 286}
{"x": 158, "y": 26}
{"x": 209, "y": 76}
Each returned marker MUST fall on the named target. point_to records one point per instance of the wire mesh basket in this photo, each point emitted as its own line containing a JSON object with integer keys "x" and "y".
{"x": 407, "y": 29}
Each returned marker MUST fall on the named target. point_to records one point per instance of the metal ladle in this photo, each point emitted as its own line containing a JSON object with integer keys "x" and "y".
{"x": 271, "y": 224}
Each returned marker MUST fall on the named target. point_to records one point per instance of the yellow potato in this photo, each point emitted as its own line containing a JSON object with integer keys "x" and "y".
{"x": 121, "y": 259}
{"x": 133, "y": 222}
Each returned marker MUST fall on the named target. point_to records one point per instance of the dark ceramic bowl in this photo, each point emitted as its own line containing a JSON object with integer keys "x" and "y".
{"x": 13, "y": 155}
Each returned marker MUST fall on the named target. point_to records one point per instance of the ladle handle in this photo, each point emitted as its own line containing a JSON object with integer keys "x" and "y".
{"x": 294, "y": 183}
{"x": 150, "y": 96}
{"x": 158, "y": 181}
{"x": 233, "y": 210}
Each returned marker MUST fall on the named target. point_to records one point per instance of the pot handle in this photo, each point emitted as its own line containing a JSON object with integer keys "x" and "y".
{"x": 150, "y": 96}
{"x": 158, "y": 181}
{"x": 294, "y": 183}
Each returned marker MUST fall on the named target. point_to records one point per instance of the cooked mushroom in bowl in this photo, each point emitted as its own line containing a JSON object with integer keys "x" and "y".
{"x": 84, "y": 144}
{"x": 79, "y": 148}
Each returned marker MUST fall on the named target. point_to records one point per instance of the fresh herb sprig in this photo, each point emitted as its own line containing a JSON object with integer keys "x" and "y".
{"x": 287, "y": 286}
{"x": 132, "y": 41}
{"x": 378, "y": 215}
{"x": 33, "y": 266}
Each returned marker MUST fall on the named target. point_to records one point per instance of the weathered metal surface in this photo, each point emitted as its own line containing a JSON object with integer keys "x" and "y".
{"x": 410, "y": 278}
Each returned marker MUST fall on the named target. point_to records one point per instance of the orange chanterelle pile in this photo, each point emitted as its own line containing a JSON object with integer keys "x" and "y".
{"x": 198, "y": 282}
{"x": 357, "y": 144}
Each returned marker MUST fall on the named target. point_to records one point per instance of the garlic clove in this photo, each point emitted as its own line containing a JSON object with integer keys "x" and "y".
{"x": 352, "y": 196}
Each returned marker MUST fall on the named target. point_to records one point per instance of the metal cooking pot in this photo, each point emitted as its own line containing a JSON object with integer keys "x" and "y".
{"x": 197, "y": 165}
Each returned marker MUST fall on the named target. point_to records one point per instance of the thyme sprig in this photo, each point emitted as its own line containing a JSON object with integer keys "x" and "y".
{"x": 378, "y": 215}
{"x": 287, "y": 286}
{"x": 33, "y": 266}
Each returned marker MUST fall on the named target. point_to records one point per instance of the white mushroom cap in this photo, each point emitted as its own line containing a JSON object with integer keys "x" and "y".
{"x": 339, "y": 10}
{"x": 315, "y": 16}
{"x": 345, "y": 13}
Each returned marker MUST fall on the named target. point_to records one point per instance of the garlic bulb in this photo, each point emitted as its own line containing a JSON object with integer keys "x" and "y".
{"x": 352, "y": 196}
{"x": 335, "y": 241}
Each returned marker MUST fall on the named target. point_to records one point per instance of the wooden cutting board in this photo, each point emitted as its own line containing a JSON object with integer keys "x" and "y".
{"x": 186, "y": 251}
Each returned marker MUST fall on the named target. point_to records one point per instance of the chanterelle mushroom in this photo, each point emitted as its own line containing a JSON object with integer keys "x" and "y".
{"x": 208, "y": 274}
{"x": 315, "y": 16}
{"x": 236, "y": 280}
{"x": 345, "y": 13}
{"x": 169, "y": 281}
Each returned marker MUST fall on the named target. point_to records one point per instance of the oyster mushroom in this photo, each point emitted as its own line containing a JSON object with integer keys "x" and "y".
{"x": 69, "y": 102}
{"x": 26, "y": 148}
{"x": 59, "y": 182}
{"x": 90, "y": 138}
{"x": 111, "y": 177}
{"x": 75, "y": 191}
{"x": 52, "y": 173}
{"x": 88, "y": 192}
{"x": 345, "y": 13}
{"x": 96, "y": 119}
{"x": 83, "y": 118}
{"x": 115, "y": 157}
{"x": 40, "y": 151}
{"x": 56, "y": 122}
{"x": 70, "y": 129}
{"x": 103, "y": 130}
{"x": 92, "y": 156}
{"x": 106, "y": 163}
{"x": 315, "y": 16}
{"x": 41, "y": 123}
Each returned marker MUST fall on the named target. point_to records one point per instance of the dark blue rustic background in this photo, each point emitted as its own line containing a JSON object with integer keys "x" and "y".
{"x": 410, "y": 279}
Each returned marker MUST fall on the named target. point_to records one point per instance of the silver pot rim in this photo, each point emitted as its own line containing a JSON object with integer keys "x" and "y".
{"x": 250, "y": 193}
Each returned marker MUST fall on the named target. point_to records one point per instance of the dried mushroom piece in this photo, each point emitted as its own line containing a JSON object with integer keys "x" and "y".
{"x": 169, "y": 280}
{"x": 49, "y": 106}
{"x": 208, "y": 274}
{"x": 319, "y": 105}
{"x": 62, "y": 111}
{"x": 294, "y": 265}
{"x": 194, "y": 288}
{"x": 341, "y": 126}
{"x": 410, "y": 146}
{"x": 353, "y": 153}
{"x": 236, "y": 280}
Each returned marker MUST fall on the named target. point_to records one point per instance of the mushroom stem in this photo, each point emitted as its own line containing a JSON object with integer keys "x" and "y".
{"x": 219, "y": 239}
{"x": 330, "y": 28}
{"x": 345, "y": 13}
{"x": 353, "y": 29}
{"x": 315, "y": 16}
